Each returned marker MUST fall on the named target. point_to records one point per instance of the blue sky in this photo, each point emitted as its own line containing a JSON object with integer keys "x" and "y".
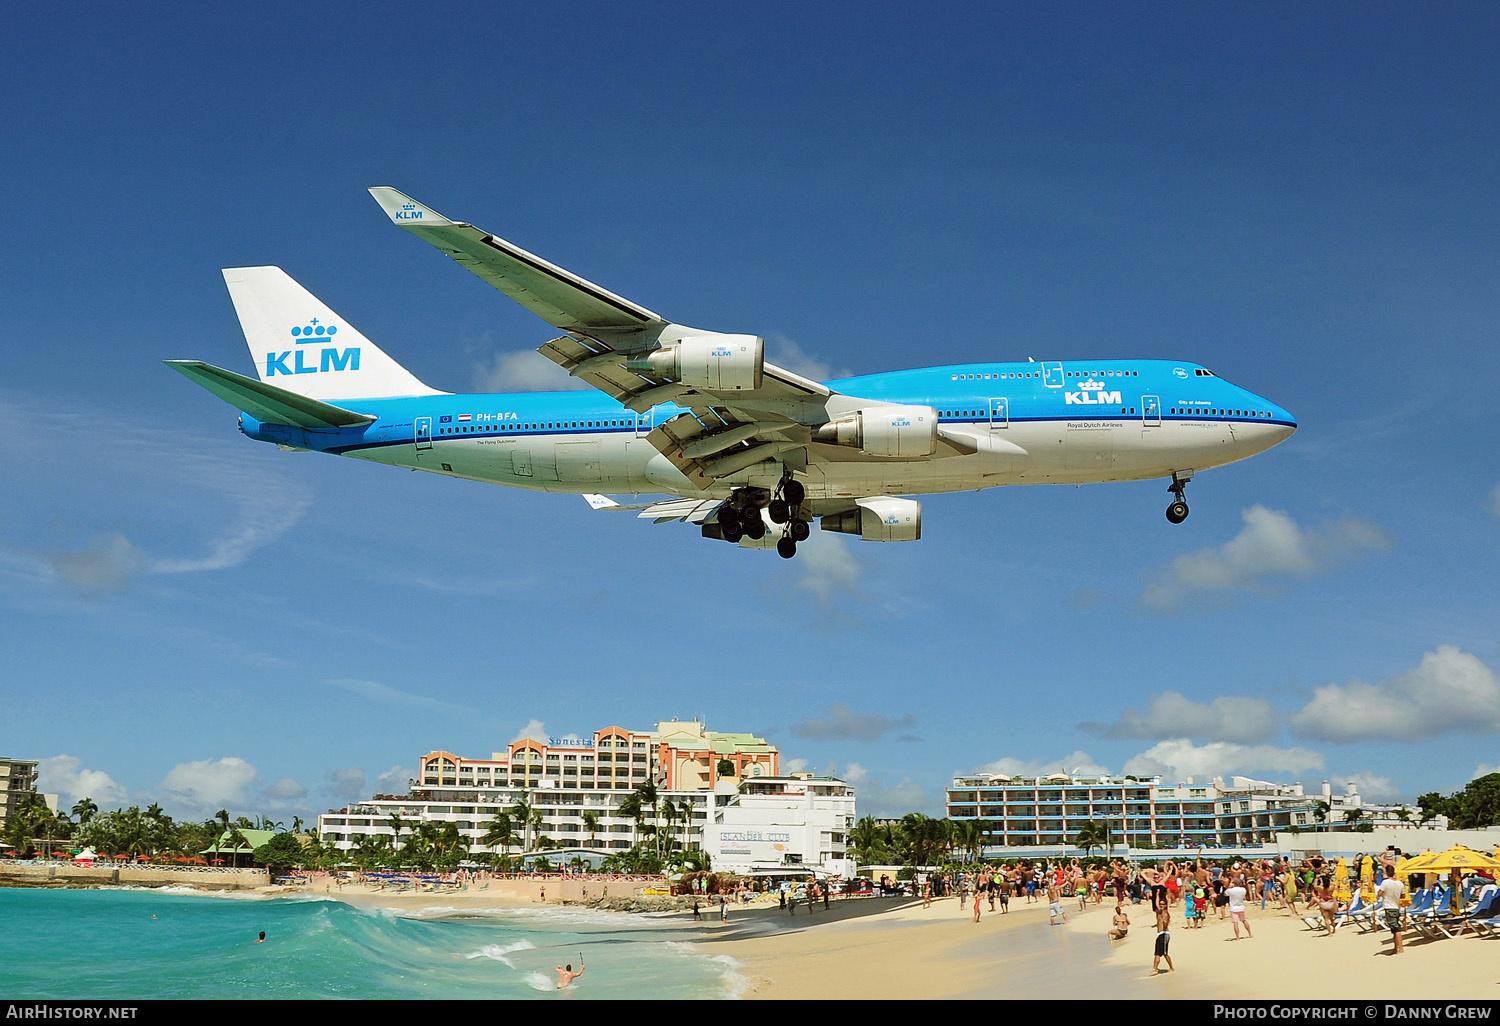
{"x": 1302, "y": 198}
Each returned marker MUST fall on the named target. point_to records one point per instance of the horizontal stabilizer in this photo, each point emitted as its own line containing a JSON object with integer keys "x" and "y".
{"x": 267, "y": 403}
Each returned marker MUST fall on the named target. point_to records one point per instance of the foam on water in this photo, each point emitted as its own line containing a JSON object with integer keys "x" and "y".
{"x": 106, "y": 944}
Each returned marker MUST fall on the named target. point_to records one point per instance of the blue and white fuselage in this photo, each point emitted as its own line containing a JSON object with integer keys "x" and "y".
{"x": 1149, "y": 419}
{"x": 752, "y": 452}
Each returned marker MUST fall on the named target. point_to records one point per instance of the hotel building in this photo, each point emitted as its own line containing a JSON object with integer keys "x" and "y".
{"x": 1051, "y": 809}
{"x": 17, "y": 780}
{"x": 566, "y": 777}
{"x": 780, "y": 824}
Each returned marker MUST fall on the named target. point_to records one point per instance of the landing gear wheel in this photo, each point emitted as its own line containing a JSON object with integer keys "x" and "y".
{"x": 1177, "y": 512}
{"x": 755, "y": 527}
{"x": 799, "y": 531}
{"x": 731, "y": 534}
{"x": 786, "y": 548}
{"x": 793, "y": 493}
{"x": 780, "y": 511}
{"x": 729, "y": 520}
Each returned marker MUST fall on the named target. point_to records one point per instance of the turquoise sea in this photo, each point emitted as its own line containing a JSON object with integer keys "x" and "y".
{"x": 69, "y": 944}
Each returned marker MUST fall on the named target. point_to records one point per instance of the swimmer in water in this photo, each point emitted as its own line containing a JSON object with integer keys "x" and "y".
{"x": 566, "y": 975}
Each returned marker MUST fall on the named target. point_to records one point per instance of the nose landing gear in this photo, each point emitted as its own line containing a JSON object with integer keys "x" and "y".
{"x": 1177, "y": 512}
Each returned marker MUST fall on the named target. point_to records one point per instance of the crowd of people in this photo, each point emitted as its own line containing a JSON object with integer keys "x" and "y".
{"x": 1197, "y": 890}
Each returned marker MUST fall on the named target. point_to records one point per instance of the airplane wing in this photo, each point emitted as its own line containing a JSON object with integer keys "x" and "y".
{"x": 559, "y": 297}
{"x": 729, "y": 429}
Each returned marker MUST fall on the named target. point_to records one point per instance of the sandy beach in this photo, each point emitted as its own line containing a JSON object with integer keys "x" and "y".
{"x": 908, "y": 952}
{"x": 877, "y": 948}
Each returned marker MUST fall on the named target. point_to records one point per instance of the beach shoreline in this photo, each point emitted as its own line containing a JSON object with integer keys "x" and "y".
{"x": 892, "y": 948}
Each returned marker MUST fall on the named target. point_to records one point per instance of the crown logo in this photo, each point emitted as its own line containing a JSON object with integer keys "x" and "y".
{"x": 1092, "y": 386}
{"x": 313, "y": 332}
{"x": 408, "y": 206}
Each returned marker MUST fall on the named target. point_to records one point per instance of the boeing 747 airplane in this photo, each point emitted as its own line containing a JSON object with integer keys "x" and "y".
{"x": 751, "y": 452}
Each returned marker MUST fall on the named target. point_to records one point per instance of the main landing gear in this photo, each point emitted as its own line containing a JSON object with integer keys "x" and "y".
{"x": 785, "y": 508}
{"x": 740, "y": 516}
{"x": 1177, "y": 512}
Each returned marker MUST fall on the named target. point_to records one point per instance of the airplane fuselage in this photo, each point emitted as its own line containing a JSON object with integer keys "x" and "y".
{"x": 1026, "y": 423}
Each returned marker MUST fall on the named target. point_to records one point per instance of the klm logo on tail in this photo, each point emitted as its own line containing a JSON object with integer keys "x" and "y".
{"x": 408, "y": 212}
{"x": 1092, "y": 394}
{"x": 329, "y": 359}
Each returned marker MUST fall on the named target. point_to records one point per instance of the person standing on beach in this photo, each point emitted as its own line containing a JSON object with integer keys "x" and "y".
{"x": 1236, "y": 895}
{"x": 1391, "y": 891}
{"x": 1054, "y": 904}
{"x": 1163, "y": 941}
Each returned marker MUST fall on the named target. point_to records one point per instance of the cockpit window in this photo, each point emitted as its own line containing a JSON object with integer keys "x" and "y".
{"x": 1204, "y": 372}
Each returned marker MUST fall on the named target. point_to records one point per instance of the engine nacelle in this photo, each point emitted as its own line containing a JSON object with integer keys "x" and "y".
{"x": 884, "y": 431}
{"x": 882, "y": 518}
{"x": 719, "y": 363}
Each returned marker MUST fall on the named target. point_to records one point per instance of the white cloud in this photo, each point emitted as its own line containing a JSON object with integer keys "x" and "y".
{"x": 1484, "y": 770}
{"x": 64, "y": 776}
{"x": 875, "y": 799}
{"x": 1242, "y": 720}
{"x": 377, "y": 692}
{"x": 191, "y": 509}
{"x": 1450, "y": 692}
{"x": 347, "y": 784}
{"x": 1270, "y": 547}
{"x": 211, "y": 784}
{"x": 1079, "y": 762}
{"x": 1176, "y": 759}
{"x": 1369, "y": 785}
{"x": 844, "y": 724}
{"x": 535, "y": 730}
{"x": 524, "y": 371}
{"x": 794, "y": 766}
{"x": 829, "y": 569}
{"x": 396, "y": 780}
{"x": 286, "y": 790}
{"x": 787, "y": 353}
{"x": 107, "y": 565}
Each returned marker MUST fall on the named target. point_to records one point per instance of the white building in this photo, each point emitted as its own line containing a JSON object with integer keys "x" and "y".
{"x": 774, "y": 824}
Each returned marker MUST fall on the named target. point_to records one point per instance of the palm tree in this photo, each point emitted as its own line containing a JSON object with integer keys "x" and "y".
{"x": 521, "y": 813}
{"x": 591, "y": 821}
{"x": 84, "y": 809}
{"x": 500, "y": 833}
{"x": 1090, "y": 836}
{"x": 630, "y": 807}
{"x": 1320, "y": 812}
{"x": 647, "y": 790}
{"x": 1353, "y": 816}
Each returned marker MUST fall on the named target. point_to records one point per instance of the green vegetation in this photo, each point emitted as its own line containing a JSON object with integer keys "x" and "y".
{"x": 1475, "y": 807}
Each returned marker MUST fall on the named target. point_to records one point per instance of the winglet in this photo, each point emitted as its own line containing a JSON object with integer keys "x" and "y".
{"x": 405, "y": 211}
{"x": 600, "y": 501}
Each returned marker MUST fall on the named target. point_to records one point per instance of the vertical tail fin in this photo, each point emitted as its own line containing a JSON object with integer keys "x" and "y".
{"x": 299, "y": 344}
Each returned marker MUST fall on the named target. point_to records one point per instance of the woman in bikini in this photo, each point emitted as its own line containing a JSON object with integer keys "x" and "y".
{"x": 1327, "y": 904}
{"x": 1122, "y": 924}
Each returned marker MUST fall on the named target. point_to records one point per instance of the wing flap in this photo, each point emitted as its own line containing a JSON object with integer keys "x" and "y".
{"x": 267, "y": 403}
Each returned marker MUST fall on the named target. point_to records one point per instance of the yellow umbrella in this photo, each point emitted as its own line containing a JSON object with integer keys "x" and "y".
{"x": 1341, "y": 881}
{"x": 1456, "y": 860}
{"x": 1367, "y": 877}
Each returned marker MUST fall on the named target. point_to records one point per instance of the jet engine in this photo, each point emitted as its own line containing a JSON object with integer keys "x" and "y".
{"x": 882, "y": 518}
{"x": 884, "y": 431}
{"x": 720, "y": 363}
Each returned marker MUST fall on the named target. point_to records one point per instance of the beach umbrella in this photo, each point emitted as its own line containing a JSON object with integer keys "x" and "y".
{"x": 1457, "y": 861}
{"x": 1341, "y": 881}
{"x": 1367, "y": 877}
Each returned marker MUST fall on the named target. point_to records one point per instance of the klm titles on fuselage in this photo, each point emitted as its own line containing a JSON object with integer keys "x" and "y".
{"x": 1092, "y": 394}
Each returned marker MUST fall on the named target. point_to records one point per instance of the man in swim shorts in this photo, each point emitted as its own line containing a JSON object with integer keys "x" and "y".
{"x": 1163, "y": 940}
{"x": 1054, "y": 906}
{"x": 566, "y": 975}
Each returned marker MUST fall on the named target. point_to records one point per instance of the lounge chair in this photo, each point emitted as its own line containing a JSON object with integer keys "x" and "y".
{"x": 1451, "y": 926}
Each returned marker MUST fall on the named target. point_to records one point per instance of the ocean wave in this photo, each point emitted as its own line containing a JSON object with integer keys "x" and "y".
{"x": 498, "y": 952}
{"x": 539, "y": 981}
